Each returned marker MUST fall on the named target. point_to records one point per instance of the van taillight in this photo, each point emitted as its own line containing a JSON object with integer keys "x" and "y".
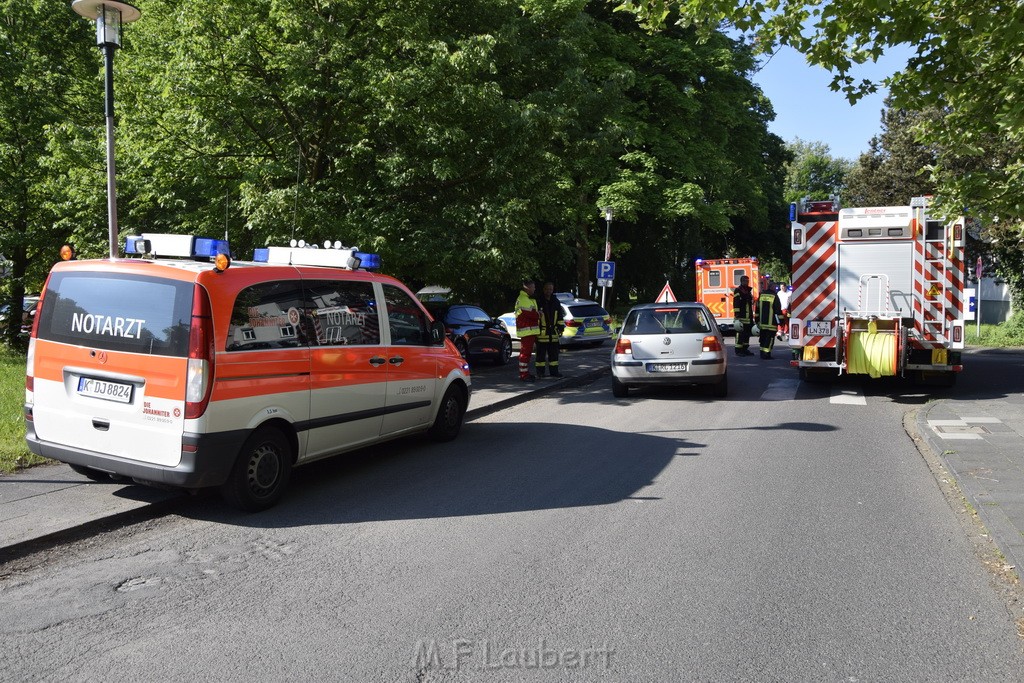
{"x": 30, "y": 371}
{"x": 199, "y": 380}
{"x": 624, "y": 346}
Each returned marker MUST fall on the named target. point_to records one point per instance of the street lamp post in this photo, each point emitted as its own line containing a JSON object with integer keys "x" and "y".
{"x": 607, "y": 244}
{"x": 109, "y": 15}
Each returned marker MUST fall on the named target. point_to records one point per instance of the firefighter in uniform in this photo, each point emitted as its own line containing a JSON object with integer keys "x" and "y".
{"x": 769, "y": 315}
{"x": 550, "y": 332}
{"x": 528, "y": 327}
{"x": 743, "y": 313}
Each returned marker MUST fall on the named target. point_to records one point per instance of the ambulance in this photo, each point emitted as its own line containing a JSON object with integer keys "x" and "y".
{"x": 716, "y": 281}
{"x": 176, "y": 366}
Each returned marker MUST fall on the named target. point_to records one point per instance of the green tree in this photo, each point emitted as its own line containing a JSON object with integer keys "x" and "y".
{"x": 895, "y": 167}
{"x": 44, "y": 71}
{"x": 814, "y": 172}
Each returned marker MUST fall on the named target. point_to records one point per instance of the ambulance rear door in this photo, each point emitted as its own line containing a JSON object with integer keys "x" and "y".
{"x": 110, "y": 362}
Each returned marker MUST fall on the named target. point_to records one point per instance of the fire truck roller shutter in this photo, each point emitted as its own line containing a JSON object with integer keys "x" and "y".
{"x": 894, "y": 259}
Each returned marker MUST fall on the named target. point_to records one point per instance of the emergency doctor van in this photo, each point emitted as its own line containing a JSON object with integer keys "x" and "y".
{"x": 182, "y": 368}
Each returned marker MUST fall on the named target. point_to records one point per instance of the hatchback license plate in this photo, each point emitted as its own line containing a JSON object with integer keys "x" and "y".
{"x": 101, "y": 388}
{"x": 666, "y": 367}
{"x": 819, "y": 328}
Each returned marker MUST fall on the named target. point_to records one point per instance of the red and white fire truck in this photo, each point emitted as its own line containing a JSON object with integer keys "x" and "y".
{"x": 876, "y": 291}
{"x": 716, "y": 281}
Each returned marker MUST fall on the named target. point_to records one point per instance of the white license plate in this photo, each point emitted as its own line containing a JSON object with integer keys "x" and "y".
{"x": 819, "y": 328}
{"x": 666, "y": 367}
{"x": 101, "y": 388}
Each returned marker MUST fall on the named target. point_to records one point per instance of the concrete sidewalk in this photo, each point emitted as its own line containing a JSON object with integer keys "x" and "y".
{"x": 981, "y": 443}
{"x": 49, "y": 502}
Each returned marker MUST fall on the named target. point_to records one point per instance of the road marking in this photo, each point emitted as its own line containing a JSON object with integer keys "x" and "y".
{"x": 849, "y": 397}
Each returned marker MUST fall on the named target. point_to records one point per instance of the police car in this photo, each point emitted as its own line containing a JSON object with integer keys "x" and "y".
{"x": 584, "y": 322}
{"x": 179, "y": 367}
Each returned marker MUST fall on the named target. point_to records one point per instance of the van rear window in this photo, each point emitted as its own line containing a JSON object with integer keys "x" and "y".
{"x": 118, "y": 312}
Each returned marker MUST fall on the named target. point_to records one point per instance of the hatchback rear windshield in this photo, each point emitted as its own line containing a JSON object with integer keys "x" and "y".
{"x": 586, "y": 310}
{"x": 118, "y": 312}
{"x": 666, "y": 320}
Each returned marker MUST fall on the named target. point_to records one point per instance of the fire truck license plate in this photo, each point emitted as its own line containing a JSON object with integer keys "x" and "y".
{"x": 819, "y": 328}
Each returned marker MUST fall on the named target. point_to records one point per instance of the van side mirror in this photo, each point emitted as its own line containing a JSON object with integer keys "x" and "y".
{"x": 437, "y": 333}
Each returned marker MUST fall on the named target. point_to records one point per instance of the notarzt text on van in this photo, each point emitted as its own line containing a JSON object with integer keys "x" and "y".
{"x": 93, "y": 323}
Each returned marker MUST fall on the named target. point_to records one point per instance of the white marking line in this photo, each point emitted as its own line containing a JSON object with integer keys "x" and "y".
{"x": 850, "y": 397}
{"x": 946, "y": 423}
{"x": 982, "y": 420}
{"x": 781, "y": 390}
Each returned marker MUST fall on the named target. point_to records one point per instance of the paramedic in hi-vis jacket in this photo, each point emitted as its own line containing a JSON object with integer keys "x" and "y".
{"x": 743, "y": 315}
{"x": 769, "y": 315}
{"x": 550, "y": 332}
{"x": 527, "y": 327}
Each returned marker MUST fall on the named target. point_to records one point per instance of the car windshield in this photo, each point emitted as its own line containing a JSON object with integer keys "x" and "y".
{"x": 667, "y": 321}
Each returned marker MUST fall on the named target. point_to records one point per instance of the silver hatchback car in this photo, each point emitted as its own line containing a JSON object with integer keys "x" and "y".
{"x": 670, "y": 344}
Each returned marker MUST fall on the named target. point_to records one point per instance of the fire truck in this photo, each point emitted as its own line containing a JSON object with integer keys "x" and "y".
{"x": 877, "y": 291}
{"x": 716, "y": 280}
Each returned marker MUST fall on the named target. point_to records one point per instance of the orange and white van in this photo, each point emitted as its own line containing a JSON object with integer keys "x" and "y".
{"x": 183, "y": 368}
{"x": 717, "y": 279}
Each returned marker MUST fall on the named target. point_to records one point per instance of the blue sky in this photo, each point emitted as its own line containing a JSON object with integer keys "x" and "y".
{"x": 805, "y": 108}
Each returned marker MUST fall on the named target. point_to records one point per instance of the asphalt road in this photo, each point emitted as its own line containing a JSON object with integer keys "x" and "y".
{"x": 790, "y": 533}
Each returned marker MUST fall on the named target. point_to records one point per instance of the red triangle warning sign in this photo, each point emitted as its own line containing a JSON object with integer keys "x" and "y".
{"x": 666, "y": 295}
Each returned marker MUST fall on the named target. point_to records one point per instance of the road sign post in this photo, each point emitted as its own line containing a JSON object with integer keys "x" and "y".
{"x": 605, "y": 277}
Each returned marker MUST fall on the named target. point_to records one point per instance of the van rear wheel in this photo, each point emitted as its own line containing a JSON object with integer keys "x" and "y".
{"x": 261, "y": 473}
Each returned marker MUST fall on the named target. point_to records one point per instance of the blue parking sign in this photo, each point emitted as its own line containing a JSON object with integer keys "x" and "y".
{"x": 606, "y": 270}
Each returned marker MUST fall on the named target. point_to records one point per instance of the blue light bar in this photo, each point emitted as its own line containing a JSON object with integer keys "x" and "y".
{"x": 133, "y": 244}
{"x": 792, "y": 211}
{"x": 368, "y": 261}
{"x": 206, "y": 247}
{"x": 261, "y": 255}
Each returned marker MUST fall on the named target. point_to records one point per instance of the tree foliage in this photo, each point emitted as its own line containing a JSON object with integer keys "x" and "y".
{"x": 470, "y": 144}
{"x": 44, "y": 66}
{"x": 814, "y": 172}
{"x": 966, "y": 64}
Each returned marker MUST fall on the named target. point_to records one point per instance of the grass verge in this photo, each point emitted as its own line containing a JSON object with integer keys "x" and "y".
{"x": 14, "y": 455}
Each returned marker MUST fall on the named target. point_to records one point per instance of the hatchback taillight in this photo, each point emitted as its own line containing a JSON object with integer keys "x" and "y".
{"x": 624, "y": 346}
{"x": 711, "y": 343}
{"x": 199, "y": 380}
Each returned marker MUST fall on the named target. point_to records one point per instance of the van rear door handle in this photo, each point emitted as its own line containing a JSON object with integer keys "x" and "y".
{"x": 102, "y": 425}
{"x": 397, "y": 360}
{"x": 376, "y": 361}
